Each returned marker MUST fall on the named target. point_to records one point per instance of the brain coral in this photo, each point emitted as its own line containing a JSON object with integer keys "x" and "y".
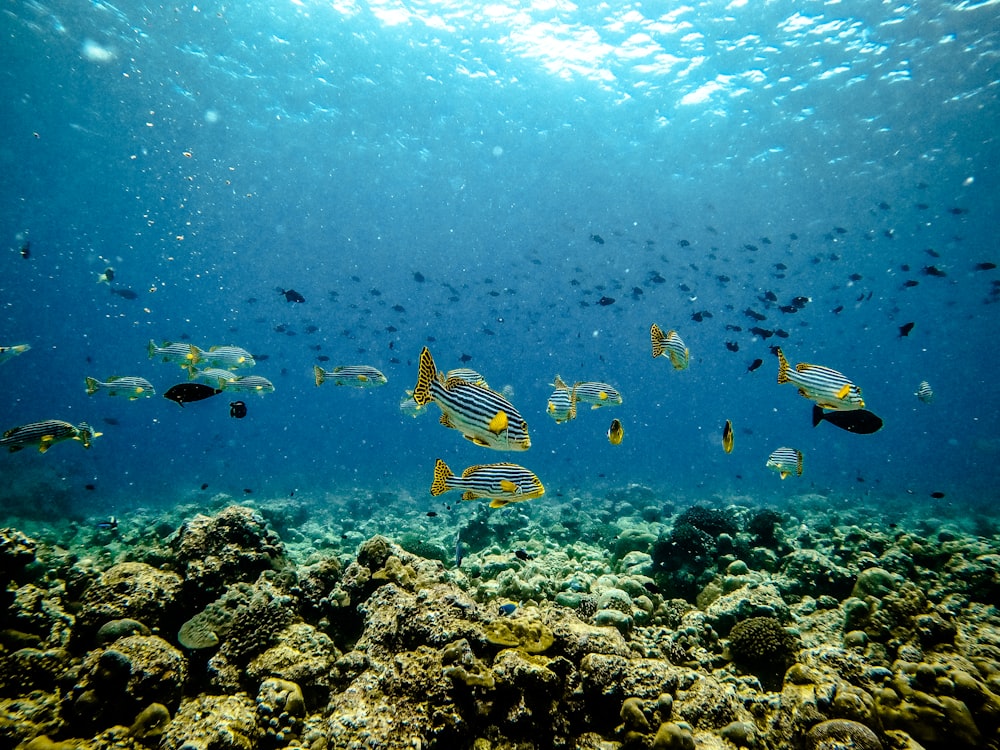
{"x": 841, "y": 733}
{"x": 761, "y": 641}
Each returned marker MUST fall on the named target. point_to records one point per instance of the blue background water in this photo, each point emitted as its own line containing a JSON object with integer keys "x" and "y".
{"x": 212, "y": 153}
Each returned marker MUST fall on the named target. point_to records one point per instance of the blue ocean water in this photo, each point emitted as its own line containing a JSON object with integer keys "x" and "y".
{"x": 476, "y": 178}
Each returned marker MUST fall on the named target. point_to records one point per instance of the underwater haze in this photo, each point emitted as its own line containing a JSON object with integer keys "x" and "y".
{"x": 524, "y": 189}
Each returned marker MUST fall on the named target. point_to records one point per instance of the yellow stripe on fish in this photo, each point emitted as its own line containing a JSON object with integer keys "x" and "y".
{"x": 828, "y": 388}
{"x": 501, "y": 483}
{"x": 482, "y": 416}
{"x": 671, "y": 344}
{"x": 786, "y": 461}
{"x": 127, "y": 385}
{"x": 45, "y": 434}
{"x": 358, "y": 376}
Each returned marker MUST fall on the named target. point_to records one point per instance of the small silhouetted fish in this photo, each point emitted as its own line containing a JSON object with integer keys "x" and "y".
{"x": 184, "y": 393}
{"x": 465, "y": 358}
{"x": 840, "y": 230}
{"x": 987, "y": 266}
{"x": 698, "y": 317}
{"x": 770, "y": 296}
{"x": 431, "y": 514}
{"x": 111, "y": 421}
{"x": 109, "y": 524}
{"x": 837, "y": 309}
{"x": 237, "y": 409}
{"x": 90, "y": 487}
{"x": 781, "y": 333}
{"x": 418, "y": 277}
{"x": 933, "y": 271}
{"x": 731, "y": 327}
{"x": 684, "y": 288}
{"x": 922, "y": 206}
{"x": 651, "y": 587}
{"x": 755, "y": 364}
{"x": 247, "y": 491}
{"x": 910, "y": 283}
{"x": 932, "y": 252}
{"x": 801, "y": 301}
{"x": 765, "y": 240}
{"x": 937, "y": 495}
{"x": 858, "y": 421}
{"x": 788, "y": 309}
{"x": 489, "y": 332}
{"x": 732, "y": 346}
{"x": 751, "y": 248}
{"x": 204, "y": 486}
{"x": 889, "y": 234}
{"x": 605, "y": 301}
{"x": 958, "y": 211}
{"x": 311, "y": 329}
{"x": 904, "y": 330}
{"x": 762, "y": 332}
{"x": 636, "y": 292}
{"x": 683, "y": 243}
{"x": 855, "y": 277}
{"x": 597, "y": 238}
{"x": 522, "y": 554}
{"x": 399, "y": 308}
{"x": 723, "y": 279}
{"x": 291, "y": 295}
{"x": 884, "y": 206}
{"x": 780, "y": 267}
{"x": 125, "y": 293}
{"x": 751, "y": 313}
{"x": 26, "y": 249}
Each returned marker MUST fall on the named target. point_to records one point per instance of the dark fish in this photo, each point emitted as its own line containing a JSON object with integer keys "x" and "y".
{"x": 762, "y": 332}
{"x": 184, "y": 393}
{"x": 937, "y": 495}
{"x": 204, "y": 486}
{"x": 605, "y": 301}
{"x": 418, "y": 277}
{"x": 26, "y": 249}
{"x": 958, "y": 211}
{"x": 922, "y": 206}
{"x": 751, "y": 248}
{"x": 840, "y": 230}
{"x": 683, "y": 243}
{"x": 780, "y": 333}
{"x": 431, "y": 514}
{"x": 932, "y": 252}
{"x": 801, "y": 302}
{"x": 855, "y": 277}
{"x": 465, "y": 358}
{"x": 987, "y": 266}
{"x": 636, "y": 292}
{"x": 597, "y": 238}
{"x": 910, "y": 283}
{"x": 934, "y": 271}
{"x": 651, "y": 587}
{"x": 109, "y": 524}
{"x": 247, "y": 491}
{"x": 787, "y": 309}
{"x": 781, "y": 266}
{"x": 459, "y": 551}
{"x": 731, "y": 327}
{"x": 698, "y": 317}
{"x": 884, "y": 206}
{"x": 90, "y": 487}
{"x": 110, "y": 420}
{"x": 904, "y": 330}
{"x": 858, "y": 421}
{"x": 837, "y": 309}
{"x": 125, "y": 293}
{"x": 755, "y": 364}
{"x": 311, "y": 329}
{"x": 751, "y": 313}
{"x": 770, "y": 296}
{"x": 291, "y": 295}
{"x": 522, "y": 554}
{"x": 323, "y": 358}
{"x": 723, "y": 279}
{"x": 237, "y": 409}
{"x": 732, "y": 346}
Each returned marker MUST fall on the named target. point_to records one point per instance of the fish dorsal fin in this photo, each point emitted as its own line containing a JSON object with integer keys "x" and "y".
{"x": 472, "y": 469}
{"x": 499, "y": 423}
{"x": 803, "y": 366}
{"x": 559, "y": 384}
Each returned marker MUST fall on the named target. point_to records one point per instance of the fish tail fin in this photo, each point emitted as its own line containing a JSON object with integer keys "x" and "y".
{"x": 194, "y": 356}
{"x": 572, "y": 404}
{"x": 817, "y": 415}
{"x": 425, "y": 376}
{"x": 151, "y": 348}
{"x": 441, "y": 476}
{"x": 92, "y": 386}
{"x": 318, "y": 375}
{"x": 782, "y": 367}
{"x": 657, "y": 338}
{"x": 798, "y": 463}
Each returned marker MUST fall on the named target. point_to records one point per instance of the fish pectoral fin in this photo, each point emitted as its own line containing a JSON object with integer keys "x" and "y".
{"x": 842, "y": 393}
{"x": 499, "y": 422}
{"x": 508, "y": 486}
{"x": 498, "y": 502}
{"x": 443, "y": 419}
{"x": 477, "y": 440}
{"x": 595, "y": 406}
{"x": 468, "y": 495}
{"x": 784, "y": 474}
{"x": 603, "y": 395}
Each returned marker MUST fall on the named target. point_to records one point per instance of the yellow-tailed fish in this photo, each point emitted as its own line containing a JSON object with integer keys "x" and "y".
{"x": 786, "y": 461}
{"x": 500, "y": 483}
{"x": 127, "y": 385}
{"x": 248, "y": 384}
{"x": 596, "y": 394}
{"x": 46, "y": 434}
{"x": 482, "y": 416}
{"x": 727, "y": 437}
{"x": 185, "y": 355}
{"x": 671, "y": 344}
{"x": 924, "y": 392}
{"x": 107, "y": 276}
{"x": 616, "y": 432}
{"x": 356, "y": 376}
{"x": 228, "y": 357}
{"x": 9, "y": 352}
{"x": 828, "y": 388}
{"x": 561, "y": 406}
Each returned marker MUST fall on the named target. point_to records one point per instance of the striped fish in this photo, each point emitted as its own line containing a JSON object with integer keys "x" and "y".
{"x": 482, "y": 416}
{"x": 248, "y": 384}
{"x": 616, "y": 433}
{"x": 468, "y": 375}
{"x": 671, "y": 344}
{"x": 596, "y": 394}
{"x": 127, "y": 385}
{"x": 500, "y": 483}
{"x": 786, "y": 461}
{"x": 924, "y": 392}
{"x": 229, "y": 357}
{"x": 186, "y": 355}
{"x": 358, "y": 376}
{"x": 411, "y": 408}
{"x": 828, "y": 388}
{"x": 213, "y": 375}
{"x": 46, "y": 434}
{"x": 561, "y": 406}
{"x": 9, "y": 352}
{"x": 727, "y": 437}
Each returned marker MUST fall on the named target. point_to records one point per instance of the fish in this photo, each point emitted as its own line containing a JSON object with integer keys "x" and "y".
{"x": 127, "y": 385}
{"x": 291, "y": 295}
{"x": 786, "y": 461}
{"x": 828, "y": 388}
{"x": 596, "y": 394}
{"x": 107, "y": 276}
{"x": 185, "y": 393}
{"x": 523, "y": 554}
{"x": 500, "y": 483}
{"x": 985, "y": 266}
{"x": 561, "y": 405}
{"x": 605, "y": 301}
{"x": 212, "y": 375}
{"x": 904, "y": 330}
{"x": 25, "y": 249}
{"x": 468, "y": 375}
{"x": 924, "y": 392}
{"x": 506, "y": 609}
{"x": 482, "y": 416}
{"x": 358, "y": 376}
{"x": 754, "y": 315}
{"x": 671, "y": 344}
{"x": 228, "y": 357}
{"x": 597, "y": 238}
{"x": 933, "y": 271}
{"x": 237, "y": 409}
{"x": 459, "y": 550}
{"x": 762, "y": 332}
{"x": 616, "y": 432}
{"x": 9, "y": 352}
{"x": 727, "y": 437}
{"x": 755, "y": 364}
{"x": 45, "y": 434}
{"x": 186, "y": 355}
{"x": 859, "y": 421}
{"x": 409, "y": 407}
{"x": 248, "y": 384}
{"x": 108, "y": 524}
{"x": 125, "y": 293}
